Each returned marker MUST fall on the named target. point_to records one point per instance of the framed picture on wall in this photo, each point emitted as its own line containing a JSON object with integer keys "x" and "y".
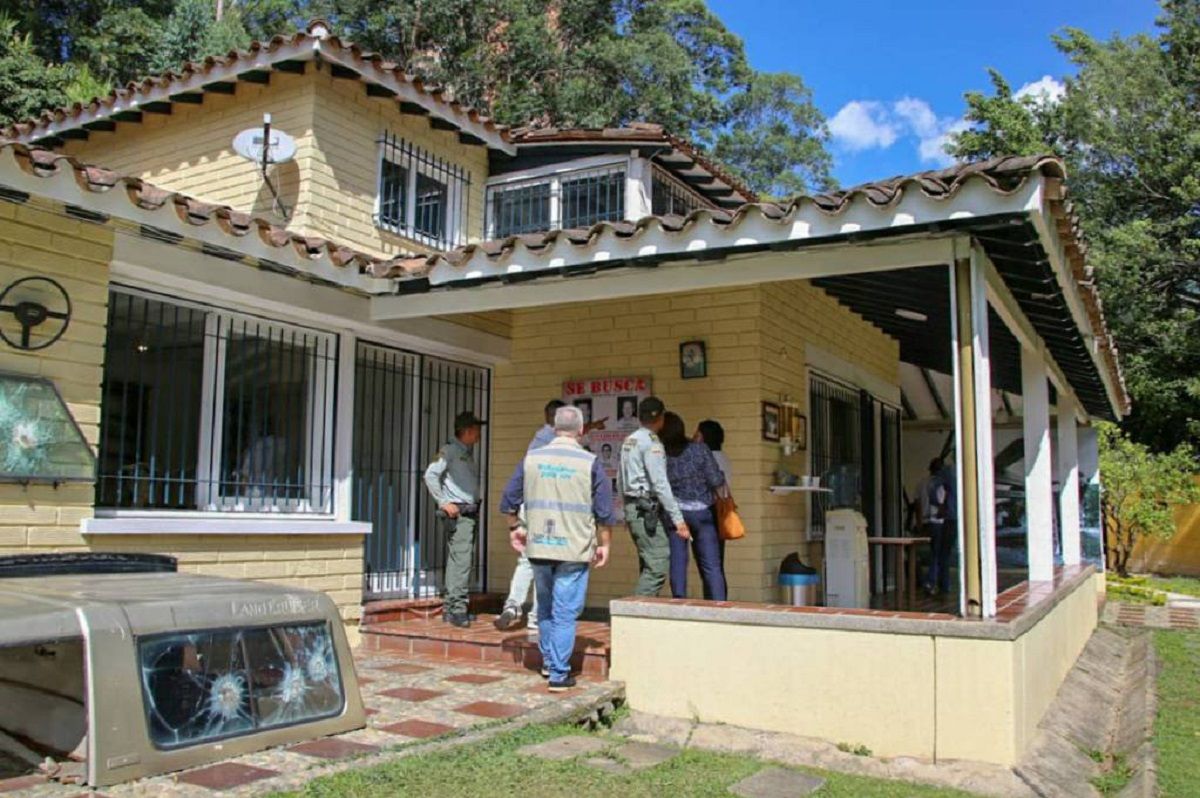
{"x": 800, "y": 431}
{"x": 693, "y": 360}
{"x": 770, "y": 421}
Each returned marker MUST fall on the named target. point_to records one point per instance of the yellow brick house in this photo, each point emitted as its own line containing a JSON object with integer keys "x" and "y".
{"x": 263, "y": 358}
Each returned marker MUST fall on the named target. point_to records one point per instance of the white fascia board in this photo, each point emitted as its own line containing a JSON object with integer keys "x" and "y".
{"x": 559, "y": 168}
{"x": 62, "y": 187}
{"x": 405, "y": 91}
{"x": 749, "y": 269}
{"x": 1001, "y": 299}
{"x": 193, "y": 83}
{"x": 1041, "y": 218}
{"x": 154, "y": 266}
{"x": 805, "y": 223}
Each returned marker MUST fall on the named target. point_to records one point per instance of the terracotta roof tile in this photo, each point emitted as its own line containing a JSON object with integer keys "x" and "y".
{"x": 189, "y": 210}
{"x": 1002, "y": 175}
{"x": 260, "y": 53}
{"x": 633, "y": 132}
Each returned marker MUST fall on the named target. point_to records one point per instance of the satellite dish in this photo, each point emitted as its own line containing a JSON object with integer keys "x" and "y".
{"x": 265, "y": 145}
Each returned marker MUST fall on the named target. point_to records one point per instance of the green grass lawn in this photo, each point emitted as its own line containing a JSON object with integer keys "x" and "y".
{"x": 1177, "y": 727}
{"x": 1188, "y": 585}
{"x": 492, "y": 768}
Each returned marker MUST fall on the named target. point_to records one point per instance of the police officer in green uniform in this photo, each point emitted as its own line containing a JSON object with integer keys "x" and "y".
{"x": 453, "y": 481}
{"x": 647, "y": 498}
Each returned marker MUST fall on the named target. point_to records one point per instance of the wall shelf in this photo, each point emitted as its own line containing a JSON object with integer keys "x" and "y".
{"x": 781, "y": 489}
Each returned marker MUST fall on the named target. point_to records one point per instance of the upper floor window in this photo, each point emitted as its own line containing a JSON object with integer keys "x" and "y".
{"x": 206, "y": 409}
{"x": 421, "y": 196}
{"x": 669, "y": 196}
{"x": 578, "y": 198}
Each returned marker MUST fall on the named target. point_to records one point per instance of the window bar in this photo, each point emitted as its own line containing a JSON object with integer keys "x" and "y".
{"x": 174, "y": 417}
{"x": 327, "y": 433}
{"x": 273, "y": 490}
{"x": 140, "y": 396}
{"x": 152, "y": 406}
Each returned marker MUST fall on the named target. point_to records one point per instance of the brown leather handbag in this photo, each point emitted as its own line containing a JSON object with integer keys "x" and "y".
{"x": 729, "y": 523}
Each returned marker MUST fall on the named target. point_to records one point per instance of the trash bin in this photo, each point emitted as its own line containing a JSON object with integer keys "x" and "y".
{"x": 799, "y": 590}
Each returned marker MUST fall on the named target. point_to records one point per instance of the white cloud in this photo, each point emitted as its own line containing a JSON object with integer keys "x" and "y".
{"x": 1046, "y": 90}
{"x": 919, "y": 116}
{"x": 932, "y": 149}
{"x": 870, "y": 124}
{"x": 863, "y": 125}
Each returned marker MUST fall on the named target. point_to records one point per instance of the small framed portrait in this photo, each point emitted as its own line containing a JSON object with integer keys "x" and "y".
{"x": 585, "y": 408}
{"x": 770, "y": 421}
{"x": 800, "y": 431}
{"x": 693, "y": 360}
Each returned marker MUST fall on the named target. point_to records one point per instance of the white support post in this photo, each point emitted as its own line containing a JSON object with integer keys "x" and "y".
{"x": 1039, "y": 491}
{"x": 637, "y": 188}
{"x": 1068, "y": 478}
{"x": 1089, "y": 474}
{"x": 973, "y": 438}
{"x": 343, "y": 454}
{"x": 984, "y": 454}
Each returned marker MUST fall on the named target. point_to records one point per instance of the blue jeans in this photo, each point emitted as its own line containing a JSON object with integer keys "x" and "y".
{"x": 561, "y": 589}
{"x": 710, "y": 557}
{"x": 941, "y": 549}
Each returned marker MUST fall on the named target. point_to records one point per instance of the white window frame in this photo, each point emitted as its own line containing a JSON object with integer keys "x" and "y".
{"x": 456, "y": 204}
{"x": 321, "y": 463}
{"x": 554, "y": 176}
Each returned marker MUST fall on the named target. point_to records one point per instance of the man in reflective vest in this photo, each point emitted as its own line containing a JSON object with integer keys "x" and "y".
{"x": 568, "y": 515}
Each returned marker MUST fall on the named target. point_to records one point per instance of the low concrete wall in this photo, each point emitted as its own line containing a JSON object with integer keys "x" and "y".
{"x": 902, "y": 686}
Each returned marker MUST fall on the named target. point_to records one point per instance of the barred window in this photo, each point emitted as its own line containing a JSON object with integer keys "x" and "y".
{"x": 421, "y": 196}
{"x": 835, "y": 447}
{"x": 206, "y": 409}
{"x": 571, "y": 199}
{"x": 597, "y": 196}
{"x": 669, "y": 196}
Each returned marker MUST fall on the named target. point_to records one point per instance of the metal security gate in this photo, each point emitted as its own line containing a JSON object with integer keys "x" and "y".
{"x": 405, "y": 405}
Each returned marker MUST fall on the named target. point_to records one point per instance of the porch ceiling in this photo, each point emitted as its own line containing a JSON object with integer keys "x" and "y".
{"x": 1026, "y": 270}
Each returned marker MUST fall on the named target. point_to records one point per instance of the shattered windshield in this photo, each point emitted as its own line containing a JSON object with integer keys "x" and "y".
{"x": 200, "y": 686}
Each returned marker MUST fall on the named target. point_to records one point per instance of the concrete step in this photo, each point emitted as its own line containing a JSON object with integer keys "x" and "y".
{"x": 482, "y": 642}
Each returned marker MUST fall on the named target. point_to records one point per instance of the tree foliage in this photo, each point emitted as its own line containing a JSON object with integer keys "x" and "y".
{"x": 1140, "y": 492}
{"x": 1128, "y": 127}
{"x": 554, "y": 62}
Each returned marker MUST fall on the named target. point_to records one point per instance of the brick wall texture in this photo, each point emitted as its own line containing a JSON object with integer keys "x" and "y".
{"x": 42, "y": 518}
{"x": 330, "y": 186}
{"x": 755, "y": 339}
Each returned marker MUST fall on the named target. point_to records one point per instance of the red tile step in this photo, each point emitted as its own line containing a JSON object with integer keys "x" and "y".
{"x": 419, "y": 729}
{"x": 491, "y": 709}
{"x": 417, "y": 609}
{"x": 225, "y": 776}
{"x": 483, "y": 643}
{"x": 333, "y": 748}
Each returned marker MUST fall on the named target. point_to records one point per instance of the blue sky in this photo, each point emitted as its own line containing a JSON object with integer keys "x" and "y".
{"x": 890, "y": 76}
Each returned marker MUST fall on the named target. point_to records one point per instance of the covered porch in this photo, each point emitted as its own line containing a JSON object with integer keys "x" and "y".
{"x": 963, "y": 291}
{"x": 949, "y": 315}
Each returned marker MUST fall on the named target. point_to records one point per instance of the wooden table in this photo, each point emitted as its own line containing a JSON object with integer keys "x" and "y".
{"x": 906, "y": 565}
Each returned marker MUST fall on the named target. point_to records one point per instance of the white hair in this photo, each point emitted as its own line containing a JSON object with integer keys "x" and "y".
{"x": 568, "y": 419}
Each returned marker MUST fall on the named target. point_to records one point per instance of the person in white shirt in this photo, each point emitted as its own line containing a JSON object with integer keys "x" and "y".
{"x": 712, "y": 435}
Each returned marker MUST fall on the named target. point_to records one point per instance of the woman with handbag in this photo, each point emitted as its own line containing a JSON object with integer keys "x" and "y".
{"x": 695, "y": 482}
{"x": 729, "y": 524}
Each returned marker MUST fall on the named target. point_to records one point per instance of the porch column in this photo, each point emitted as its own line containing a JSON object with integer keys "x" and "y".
{"x": 638, "y": 190}
{"x": 1089, "y": 474}
{"x": 1068, "y": 478}
{"x": 1039, "y": 492}
{"x": 973, "y": 439}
